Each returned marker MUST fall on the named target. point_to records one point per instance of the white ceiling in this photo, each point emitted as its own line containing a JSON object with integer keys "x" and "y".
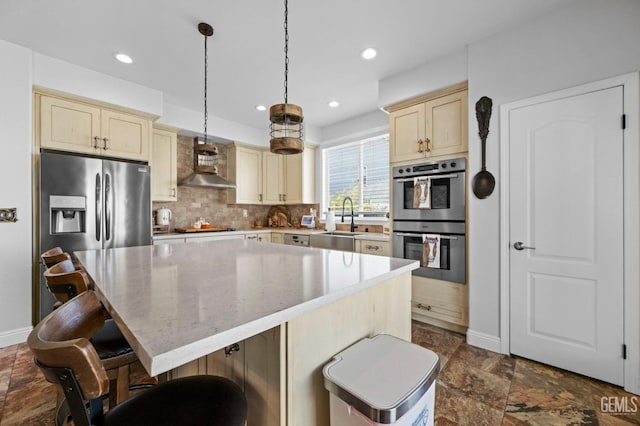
{"x": 246, "y": 57}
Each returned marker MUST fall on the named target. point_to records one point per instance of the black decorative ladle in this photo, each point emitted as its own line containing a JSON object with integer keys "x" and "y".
{"x": 483, "y": 182}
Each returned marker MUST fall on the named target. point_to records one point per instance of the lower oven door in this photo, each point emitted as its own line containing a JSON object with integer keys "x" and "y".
{"x": 452, "y": 248}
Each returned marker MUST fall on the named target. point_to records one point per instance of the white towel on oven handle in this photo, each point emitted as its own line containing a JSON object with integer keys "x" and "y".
{"x": 431, "y": 250}
{"x": 422, "y": 193}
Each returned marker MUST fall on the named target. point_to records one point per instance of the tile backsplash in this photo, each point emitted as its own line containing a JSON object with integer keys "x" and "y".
{"x": 211, "y": 204}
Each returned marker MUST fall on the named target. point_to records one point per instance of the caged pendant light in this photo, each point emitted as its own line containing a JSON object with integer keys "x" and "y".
{"x": 286, "y": 119}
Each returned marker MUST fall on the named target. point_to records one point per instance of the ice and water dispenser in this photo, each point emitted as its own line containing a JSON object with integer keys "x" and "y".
{"x": 67, "y": 214}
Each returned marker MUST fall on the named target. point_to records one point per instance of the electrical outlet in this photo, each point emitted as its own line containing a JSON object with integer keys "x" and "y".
{"x": 8, "y": 215}
{"x": 245, "y": 213}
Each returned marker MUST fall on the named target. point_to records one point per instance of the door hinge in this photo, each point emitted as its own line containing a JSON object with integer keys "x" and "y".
{"x": 624, "y": 351}
{"x": 624, "y": 121}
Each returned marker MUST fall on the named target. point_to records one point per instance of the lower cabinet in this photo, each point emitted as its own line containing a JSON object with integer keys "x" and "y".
{"x": 277, "y": 238}
{"x": 441, "y": 303}
{"x": 380, "y": 248}
{"x": 261, "y": 237}
{"x": 254, "y": 365}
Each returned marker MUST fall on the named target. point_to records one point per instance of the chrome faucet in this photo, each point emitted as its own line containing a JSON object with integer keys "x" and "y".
{"x": 353, "y": 226}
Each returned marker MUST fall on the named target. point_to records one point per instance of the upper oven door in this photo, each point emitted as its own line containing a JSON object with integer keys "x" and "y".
{"x": 447, "y": 193}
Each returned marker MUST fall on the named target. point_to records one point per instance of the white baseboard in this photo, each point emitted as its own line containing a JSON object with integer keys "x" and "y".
{"x": 484, "y": 341}
{"x": 13, "y": 337}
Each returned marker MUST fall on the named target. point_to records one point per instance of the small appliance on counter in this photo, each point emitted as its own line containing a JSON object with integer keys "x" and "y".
{"x": 308, "y": 221}
{"x": 163, "y": 216}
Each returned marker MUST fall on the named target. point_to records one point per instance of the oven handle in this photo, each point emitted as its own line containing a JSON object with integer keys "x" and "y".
{"x": 409, "y": 234}
{"x": 450, "y": 176}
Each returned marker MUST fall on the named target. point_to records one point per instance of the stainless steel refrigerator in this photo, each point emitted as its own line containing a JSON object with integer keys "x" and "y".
{"x": 91, "y": 203}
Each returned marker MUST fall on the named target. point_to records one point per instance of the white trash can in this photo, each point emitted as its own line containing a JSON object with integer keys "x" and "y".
{"x": 382, "y": 380}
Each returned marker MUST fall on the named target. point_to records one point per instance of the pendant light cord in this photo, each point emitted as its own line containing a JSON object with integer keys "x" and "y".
{"x": 286, "y": 49}
{"x": 206, "y": 113}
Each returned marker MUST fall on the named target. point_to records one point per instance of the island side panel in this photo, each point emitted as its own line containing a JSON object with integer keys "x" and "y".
{"x": 314, "y": 338}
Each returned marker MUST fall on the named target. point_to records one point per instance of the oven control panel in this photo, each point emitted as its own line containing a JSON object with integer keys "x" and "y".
{"x": 435, "y": 167}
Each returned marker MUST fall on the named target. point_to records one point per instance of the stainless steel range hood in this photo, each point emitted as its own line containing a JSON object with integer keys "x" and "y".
{"x": 206, "y": 180}
{"x": 205, "y": 173}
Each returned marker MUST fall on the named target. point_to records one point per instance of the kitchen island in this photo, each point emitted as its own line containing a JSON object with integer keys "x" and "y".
{"x": 280, "y": 312}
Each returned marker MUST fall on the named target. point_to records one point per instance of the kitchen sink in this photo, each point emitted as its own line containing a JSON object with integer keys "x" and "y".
{"x": 334, "y": 240}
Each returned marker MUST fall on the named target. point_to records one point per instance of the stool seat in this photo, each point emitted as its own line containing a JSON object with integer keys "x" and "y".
{"x": 195, "y": 400}
{"x": 109, "y": 341}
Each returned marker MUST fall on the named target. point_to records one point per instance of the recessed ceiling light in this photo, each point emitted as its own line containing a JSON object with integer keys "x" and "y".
{"x": 125, "y": 59}
{"x": 369, "y": 53}
{"x": 334, "y": 104}
{"x": 261, "y": 107}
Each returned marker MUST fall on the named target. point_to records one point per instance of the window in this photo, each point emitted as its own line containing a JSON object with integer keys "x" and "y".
{"x": 358, "y": 170}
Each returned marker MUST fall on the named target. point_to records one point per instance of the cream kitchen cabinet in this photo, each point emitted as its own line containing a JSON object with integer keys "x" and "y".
{"x": 244, "y": 167}
{"x": 76, "y": 126}
{"x": 377, "y": 247}
{"x": 441, "y": 303}
{"x": 262, "y": 237}
{"x": 164, "y": 152}
{"x": 273, "y": 172}
{"x": 431, "y": 125}
{"x": 262, "y": 177}
{"x": 277, "y": 238}
{"x": 300, "y": 177}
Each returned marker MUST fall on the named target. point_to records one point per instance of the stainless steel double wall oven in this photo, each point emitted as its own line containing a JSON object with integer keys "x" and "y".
{"x": 444, "y": 216}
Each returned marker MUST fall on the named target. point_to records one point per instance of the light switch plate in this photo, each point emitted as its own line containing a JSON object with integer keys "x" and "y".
{"x": 8, "y": 215}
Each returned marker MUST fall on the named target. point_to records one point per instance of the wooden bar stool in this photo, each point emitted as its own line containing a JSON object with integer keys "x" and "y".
{"x": 53, "y": 256}
{"x": 66, "y": 282}
{"x": 67, "y": 358}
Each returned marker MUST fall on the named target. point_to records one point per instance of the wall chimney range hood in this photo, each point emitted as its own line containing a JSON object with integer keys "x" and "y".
{"x": 205, "y": 171}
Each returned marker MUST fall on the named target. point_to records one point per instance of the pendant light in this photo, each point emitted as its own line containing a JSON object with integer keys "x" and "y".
{"x": 286, "y": 119}
{"x": 205, "y": 170}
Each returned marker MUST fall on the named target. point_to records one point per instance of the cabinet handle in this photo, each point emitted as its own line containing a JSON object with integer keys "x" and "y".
{"x": 228, "y": 350}
{"x": 95, "y": 142}
{"x": 428, "y": 141}
{"x": 173, "y": 192}
{"x": 106, "y": 143}
{"x": 375, "y": 248}
{"x": 259, "y": 197}
{"x": 284, "y": 197}
{"x": 279, "y": 197}
{"x": 425, "y": 307}
{"x": 420, "y": 145}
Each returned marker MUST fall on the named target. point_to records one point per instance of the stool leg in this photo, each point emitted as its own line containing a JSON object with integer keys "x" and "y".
{"x": 122, "y": 392}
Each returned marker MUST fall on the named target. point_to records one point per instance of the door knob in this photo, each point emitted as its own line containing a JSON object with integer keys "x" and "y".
{"x": 519, "y": 245}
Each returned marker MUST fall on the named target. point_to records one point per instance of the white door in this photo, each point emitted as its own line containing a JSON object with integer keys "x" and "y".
{"x": 566, "y": 210}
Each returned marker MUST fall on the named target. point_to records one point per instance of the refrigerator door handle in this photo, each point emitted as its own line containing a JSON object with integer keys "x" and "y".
{"x": 107, "y": 206}
{"x": 98, "y": 207}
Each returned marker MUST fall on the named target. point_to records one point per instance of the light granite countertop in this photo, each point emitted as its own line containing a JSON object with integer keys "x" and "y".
{"x": 177, "y": 303}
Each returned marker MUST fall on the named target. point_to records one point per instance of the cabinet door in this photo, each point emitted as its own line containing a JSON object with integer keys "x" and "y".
{"x": 441, "y": 300}
{"x": 446, "y": 124}
{"x": 272, "y": 178}
{"x": 125, "y": 135}
{"x": 69, "y": 126}
{"x": 299, "y": 177}
{"x": 248, "y": 175}
{"x": 407, "y": 130}
{"x": 277, "y": 238}
{"x": 164, "y": 166}
{"x": 293, "y": 179}
{"x": 380, "y": 248}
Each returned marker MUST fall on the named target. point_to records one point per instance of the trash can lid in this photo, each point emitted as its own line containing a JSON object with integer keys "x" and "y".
{"x": 382, "y": 376}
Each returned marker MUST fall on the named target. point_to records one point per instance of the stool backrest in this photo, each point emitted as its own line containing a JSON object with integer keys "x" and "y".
{"x": 61, "y": 340}
{"x": 53, "y": 256}
{"x": 64, "y": 281}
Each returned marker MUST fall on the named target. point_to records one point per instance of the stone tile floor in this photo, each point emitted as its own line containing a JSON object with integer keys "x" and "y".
{"x": 474, "y": 387}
